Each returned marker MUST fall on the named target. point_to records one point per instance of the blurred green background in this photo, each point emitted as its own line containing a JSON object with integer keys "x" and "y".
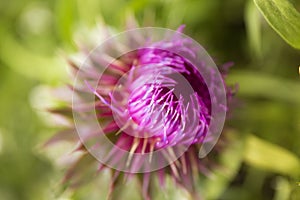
{"x": 262, "y": 160}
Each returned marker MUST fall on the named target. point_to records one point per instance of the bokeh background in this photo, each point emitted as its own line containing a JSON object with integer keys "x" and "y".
{"x": 263, "y": 155}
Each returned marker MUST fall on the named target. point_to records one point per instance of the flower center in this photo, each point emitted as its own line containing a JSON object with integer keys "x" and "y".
{"x": 161, "y": 99}
{"x": 147, "y": 106}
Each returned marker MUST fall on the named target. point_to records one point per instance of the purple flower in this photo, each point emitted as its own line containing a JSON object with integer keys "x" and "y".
{"x": 153, "y": 105}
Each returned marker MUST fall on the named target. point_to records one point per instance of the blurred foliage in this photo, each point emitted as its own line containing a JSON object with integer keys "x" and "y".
{"x": 262, "y": 161}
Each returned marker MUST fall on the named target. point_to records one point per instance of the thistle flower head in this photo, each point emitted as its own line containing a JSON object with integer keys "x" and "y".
{"x": 147, "y": 101}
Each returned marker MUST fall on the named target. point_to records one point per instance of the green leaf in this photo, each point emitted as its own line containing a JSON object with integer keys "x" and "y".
{"x": 263, "y": 85}
{"x": 283, "y": 18}
{"x": 267, "y": 156}
{"x": 88, "y": 11}
{"x": 49, "y": 69}
{"x": 230, "y": 160}
{"x": 253, "y": 27}
{"x": 65, "y": 16}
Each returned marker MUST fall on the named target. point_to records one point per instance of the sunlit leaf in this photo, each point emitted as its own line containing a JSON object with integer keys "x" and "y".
{"x": 283, "y": 189}
{"x": 30, "y": 64}
{"x": 268, "y": 156}
{"x": 284, "y": 19}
